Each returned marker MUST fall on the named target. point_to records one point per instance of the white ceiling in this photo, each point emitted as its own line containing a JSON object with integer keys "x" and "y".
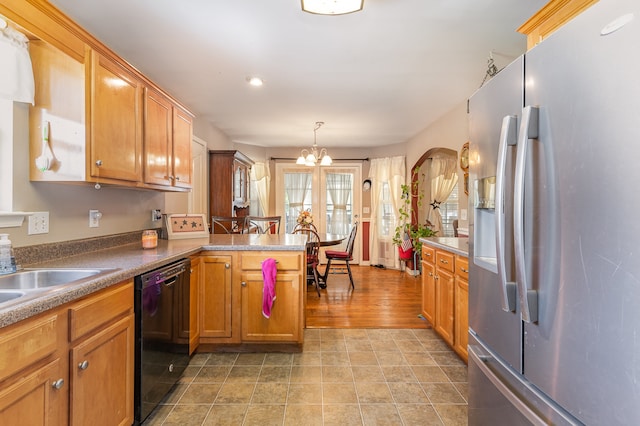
{"x": 376, "y": 77}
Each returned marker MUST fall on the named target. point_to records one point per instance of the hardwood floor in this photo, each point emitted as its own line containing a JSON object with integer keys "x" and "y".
{"x": 383, "y": 298}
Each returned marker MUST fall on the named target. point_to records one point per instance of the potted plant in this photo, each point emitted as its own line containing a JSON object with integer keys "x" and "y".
{"x": 406, "y": 230}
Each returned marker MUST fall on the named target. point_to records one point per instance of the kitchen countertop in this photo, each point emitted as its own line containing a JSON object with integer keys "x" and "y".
{"x": 457, "y": 245}
{"x": 131, "y": 260}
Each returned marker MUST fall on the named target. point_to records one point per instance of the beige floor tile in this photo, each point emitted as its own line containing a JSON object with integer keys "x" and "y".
{"x": 307, "y": 358}
{"x": 270, "y": 393}
{"x": 331, "y": 334}
{"x": 311, "y": 334}
{"x": 303, "y": 414}
{"x": 241, "y": 373}
{"x": 363, "y": 358}
{"x": 418, "y": 415}
{"x": 341, "y": 415}
{"x": 390, "y": 358}
{"x": 435, "y": 345}
{"x": 419, "y": 358}
{"x": 190, "y": 373}
{"x": 463, "y": 388}
{"x": 212, "y": 374}
{"x": 250, "y": 359}
{"x": 379, "y": 334}
{"x": 384, "y": 345}
{"x": 158, "y": 416}
{"x": 410, "y": 346}
{"x": 175, "y": 394}
{"x": 429, "y": 374}
{"x": 235, "y": 393}
{"x": 408, "y": 393}
{"x": 380, "y": 414}
{"x": 305, "y": 393}
{"x": 452, "y": 415}
{"x": 264, "y": 415}
{"x": 222, "y": 359}
{"x": 275, "y": 374}
{"x": 306, "y": 374}
{"x": 199, "y": 359}
{"x": 339, "y": 393}
{"x": 443, "y": 393}
{"x": 333, "y": 346}
{"x": 187, "y": 415}
{"x": 395, "y": 373}
{"x": 335, "y": 359}
{"x": 447, "y": 358}
{"x": 456, "y": 374}
{"x": 358, "y": 345}
{"x": 335, "y": 373}
{"x": 351, "y": 334}
{"x": 200, "y": 393}
{"x": 226, "y": 415}
{"x": 310, "y": 346}
{"x": 278, "y": 359}
{"x": 374, "y": 393}
{"x": 371, "y": 373}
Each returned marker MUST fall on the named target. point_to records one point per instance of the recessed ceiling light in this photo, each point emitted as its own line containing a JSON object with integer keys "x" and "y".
{"x": 255, "y": 81}
{"x": 332, "y": 7}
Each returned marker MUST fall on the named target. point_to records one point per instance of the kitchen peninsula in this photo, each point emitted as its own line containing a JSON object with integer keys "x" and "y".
{"x": 445, "y": 289}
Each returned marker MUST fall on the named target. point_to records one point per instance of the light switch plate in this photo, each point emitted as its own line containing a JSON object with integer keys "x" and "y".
{"x": 38, "y": 223}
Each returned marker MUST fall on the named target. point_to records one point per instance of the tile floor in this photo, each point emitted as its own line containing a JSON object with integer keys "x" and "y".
{"x": 342, "y": 377}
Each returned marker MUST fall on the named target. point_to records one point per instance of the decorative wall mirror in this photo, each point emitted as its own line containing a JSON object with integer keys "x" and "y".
{"x": 464, "y": 165}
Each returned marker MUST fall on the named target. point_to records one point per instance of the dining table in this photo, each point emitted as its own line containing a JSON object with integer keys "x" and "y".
{"x": 328, "y": 239}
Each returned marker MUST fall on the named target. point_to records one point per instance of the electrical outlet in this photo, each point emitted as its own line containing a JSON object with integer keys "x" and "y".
{"x": 39, "y": 223}
{"x": 156, "y": 215}
{"x": 94, "y": 218}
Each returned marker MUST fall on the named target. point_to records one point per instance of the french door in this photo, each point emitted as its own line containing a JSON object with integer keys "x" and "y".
{"x": 331, "y": 194}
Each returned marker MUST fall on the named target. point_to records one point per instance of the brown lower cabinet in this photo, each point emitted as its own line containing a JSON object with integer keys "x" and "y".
{"x": 71, "y": 365}
{"x": 445, "y": 290}
{"x": 231, "y": 298}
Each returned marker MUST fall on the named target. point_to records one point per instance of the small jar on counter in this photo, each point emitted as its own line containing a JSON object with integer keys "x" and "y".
{"x": 149, "y": 239}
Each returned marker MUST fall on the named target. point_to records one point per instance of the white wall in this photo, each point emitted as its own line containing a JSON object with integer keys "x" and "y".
{"x": 449, "y": 131}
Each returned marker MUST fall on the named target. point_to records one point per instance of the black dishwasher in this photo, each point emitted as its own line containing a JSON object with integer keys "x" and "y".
{"x": 162, "y": 333}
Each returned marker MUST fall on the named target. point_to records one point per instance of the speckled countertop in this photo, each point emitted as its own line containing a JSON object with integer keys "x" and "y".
{"x": 127, "y": 261}
{"x": 457, "y": 245}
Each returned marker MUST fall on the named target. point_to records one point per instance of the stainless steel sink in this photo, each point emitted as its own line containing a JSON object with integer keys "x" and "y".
{"x": 42, "y": 278}
{"x": 6, "y": 296}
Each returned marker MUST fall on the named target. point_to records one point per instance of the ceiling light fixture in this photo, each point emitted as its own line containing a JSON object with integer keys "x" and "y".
{"x": 332, "y": 7}
{"x": 311, "y": 157}
{"x": 255, "y": 81}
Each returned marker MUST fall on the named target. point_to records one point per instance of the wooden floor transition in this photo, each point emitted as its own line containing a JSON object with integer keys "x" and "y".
{"x": 383, "y": 298}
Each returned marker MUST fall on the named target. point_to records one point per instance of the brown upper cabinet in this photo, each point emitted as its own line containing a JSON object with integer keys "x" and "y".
{"x": 552, "y": 16}
{"x": 106, "y": 122}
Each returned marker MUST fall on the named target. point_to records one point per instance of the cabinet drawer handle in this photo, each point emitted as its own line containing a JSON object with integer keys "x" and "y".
{"x": 430, "y": 274}
{"x": 83, "y": 365}
{"x": 443, "y": 261}
{"x": 58, "y": 384}
{"x": 243, "y": 283}
{"x": 464, "y": 270}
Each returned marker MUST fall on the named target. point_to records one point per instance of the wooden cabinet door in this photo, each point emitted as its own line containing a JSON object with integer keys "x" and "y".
{"x": 116, "y": 122}
{"x": 102, "y": 371}
{"x": 215, "y": 297}
{"x": 194, "y": 303}
{"x": 429, "y": 292}
{"x": 157, "y": 138}
{"x": 39, "y": 398}
{"x": 444, "y": 304}
{"x": 284, "y": 324}
{"x": 462, "y": 317}
{"x": 181, "y": 154}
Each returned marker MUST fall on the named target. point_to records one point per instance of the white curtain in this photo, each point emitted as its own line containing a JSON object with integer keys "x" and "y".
{"x": 443, "y": 176}
{"x": 339, "y": 186}
{"x": 261, "y": 175}
{"x": 296, "y": 185}
{"x": 386, "y": 173}
{"x": 16, "y": 71}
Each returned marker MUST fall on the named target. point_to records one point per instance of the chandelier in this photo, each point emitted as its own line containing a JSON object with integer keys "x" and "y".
{"x": 332, "y": 7}
{"x": 311, "y": 157}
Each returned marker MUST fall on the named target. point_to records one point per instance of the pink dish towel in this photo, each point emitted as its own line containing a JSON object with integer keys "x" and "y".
{"x": 269, "y": 270}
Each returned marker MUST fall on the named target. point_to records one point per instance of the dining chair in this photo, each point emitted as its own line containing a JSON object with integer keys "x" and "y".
{"x": 343, "y": 256}
{"x": 262, "y": 224}
{"x": 227, "y": 225}
{"x": 313, "y": 255}
{"x": 301, "y": 226}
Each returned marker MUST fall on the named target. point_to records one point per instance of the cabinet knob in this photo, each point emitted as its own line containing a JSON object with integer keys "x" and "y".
{"x": 243, "y": 283}
{"x": 83, "y": 365}
{"x": 177, "y": 177}
{"x": 58, "y": 384}
{"x": 227, "y": 265}
{"x": 430, "y": 274}
{"x": 464, "y": 270}
{"x": 443, "y": 261}
{"x": 99, "y": 163}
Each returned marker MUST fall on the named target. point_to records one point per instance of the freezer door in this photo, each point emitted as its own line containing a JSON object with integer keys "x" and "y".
{"x": 581, "y": 227}
{"x": 500, "y": 329}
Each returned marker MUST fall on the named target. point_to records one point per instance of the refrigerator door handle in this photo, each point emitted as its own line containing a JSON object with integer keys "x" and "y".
{"x": 483, "y": 362}
{"x": 508, "y": 137}
{"x": 528, "y": 297}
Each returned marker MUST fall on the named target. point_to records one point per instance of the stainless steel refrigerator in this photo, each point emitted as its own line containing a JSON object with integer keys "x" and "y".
{"x": 554, "y": 288}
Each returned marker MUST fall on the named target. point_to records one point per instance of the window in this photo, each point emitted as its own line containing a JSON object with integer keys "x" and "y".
{"x": 449, "y": 212}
